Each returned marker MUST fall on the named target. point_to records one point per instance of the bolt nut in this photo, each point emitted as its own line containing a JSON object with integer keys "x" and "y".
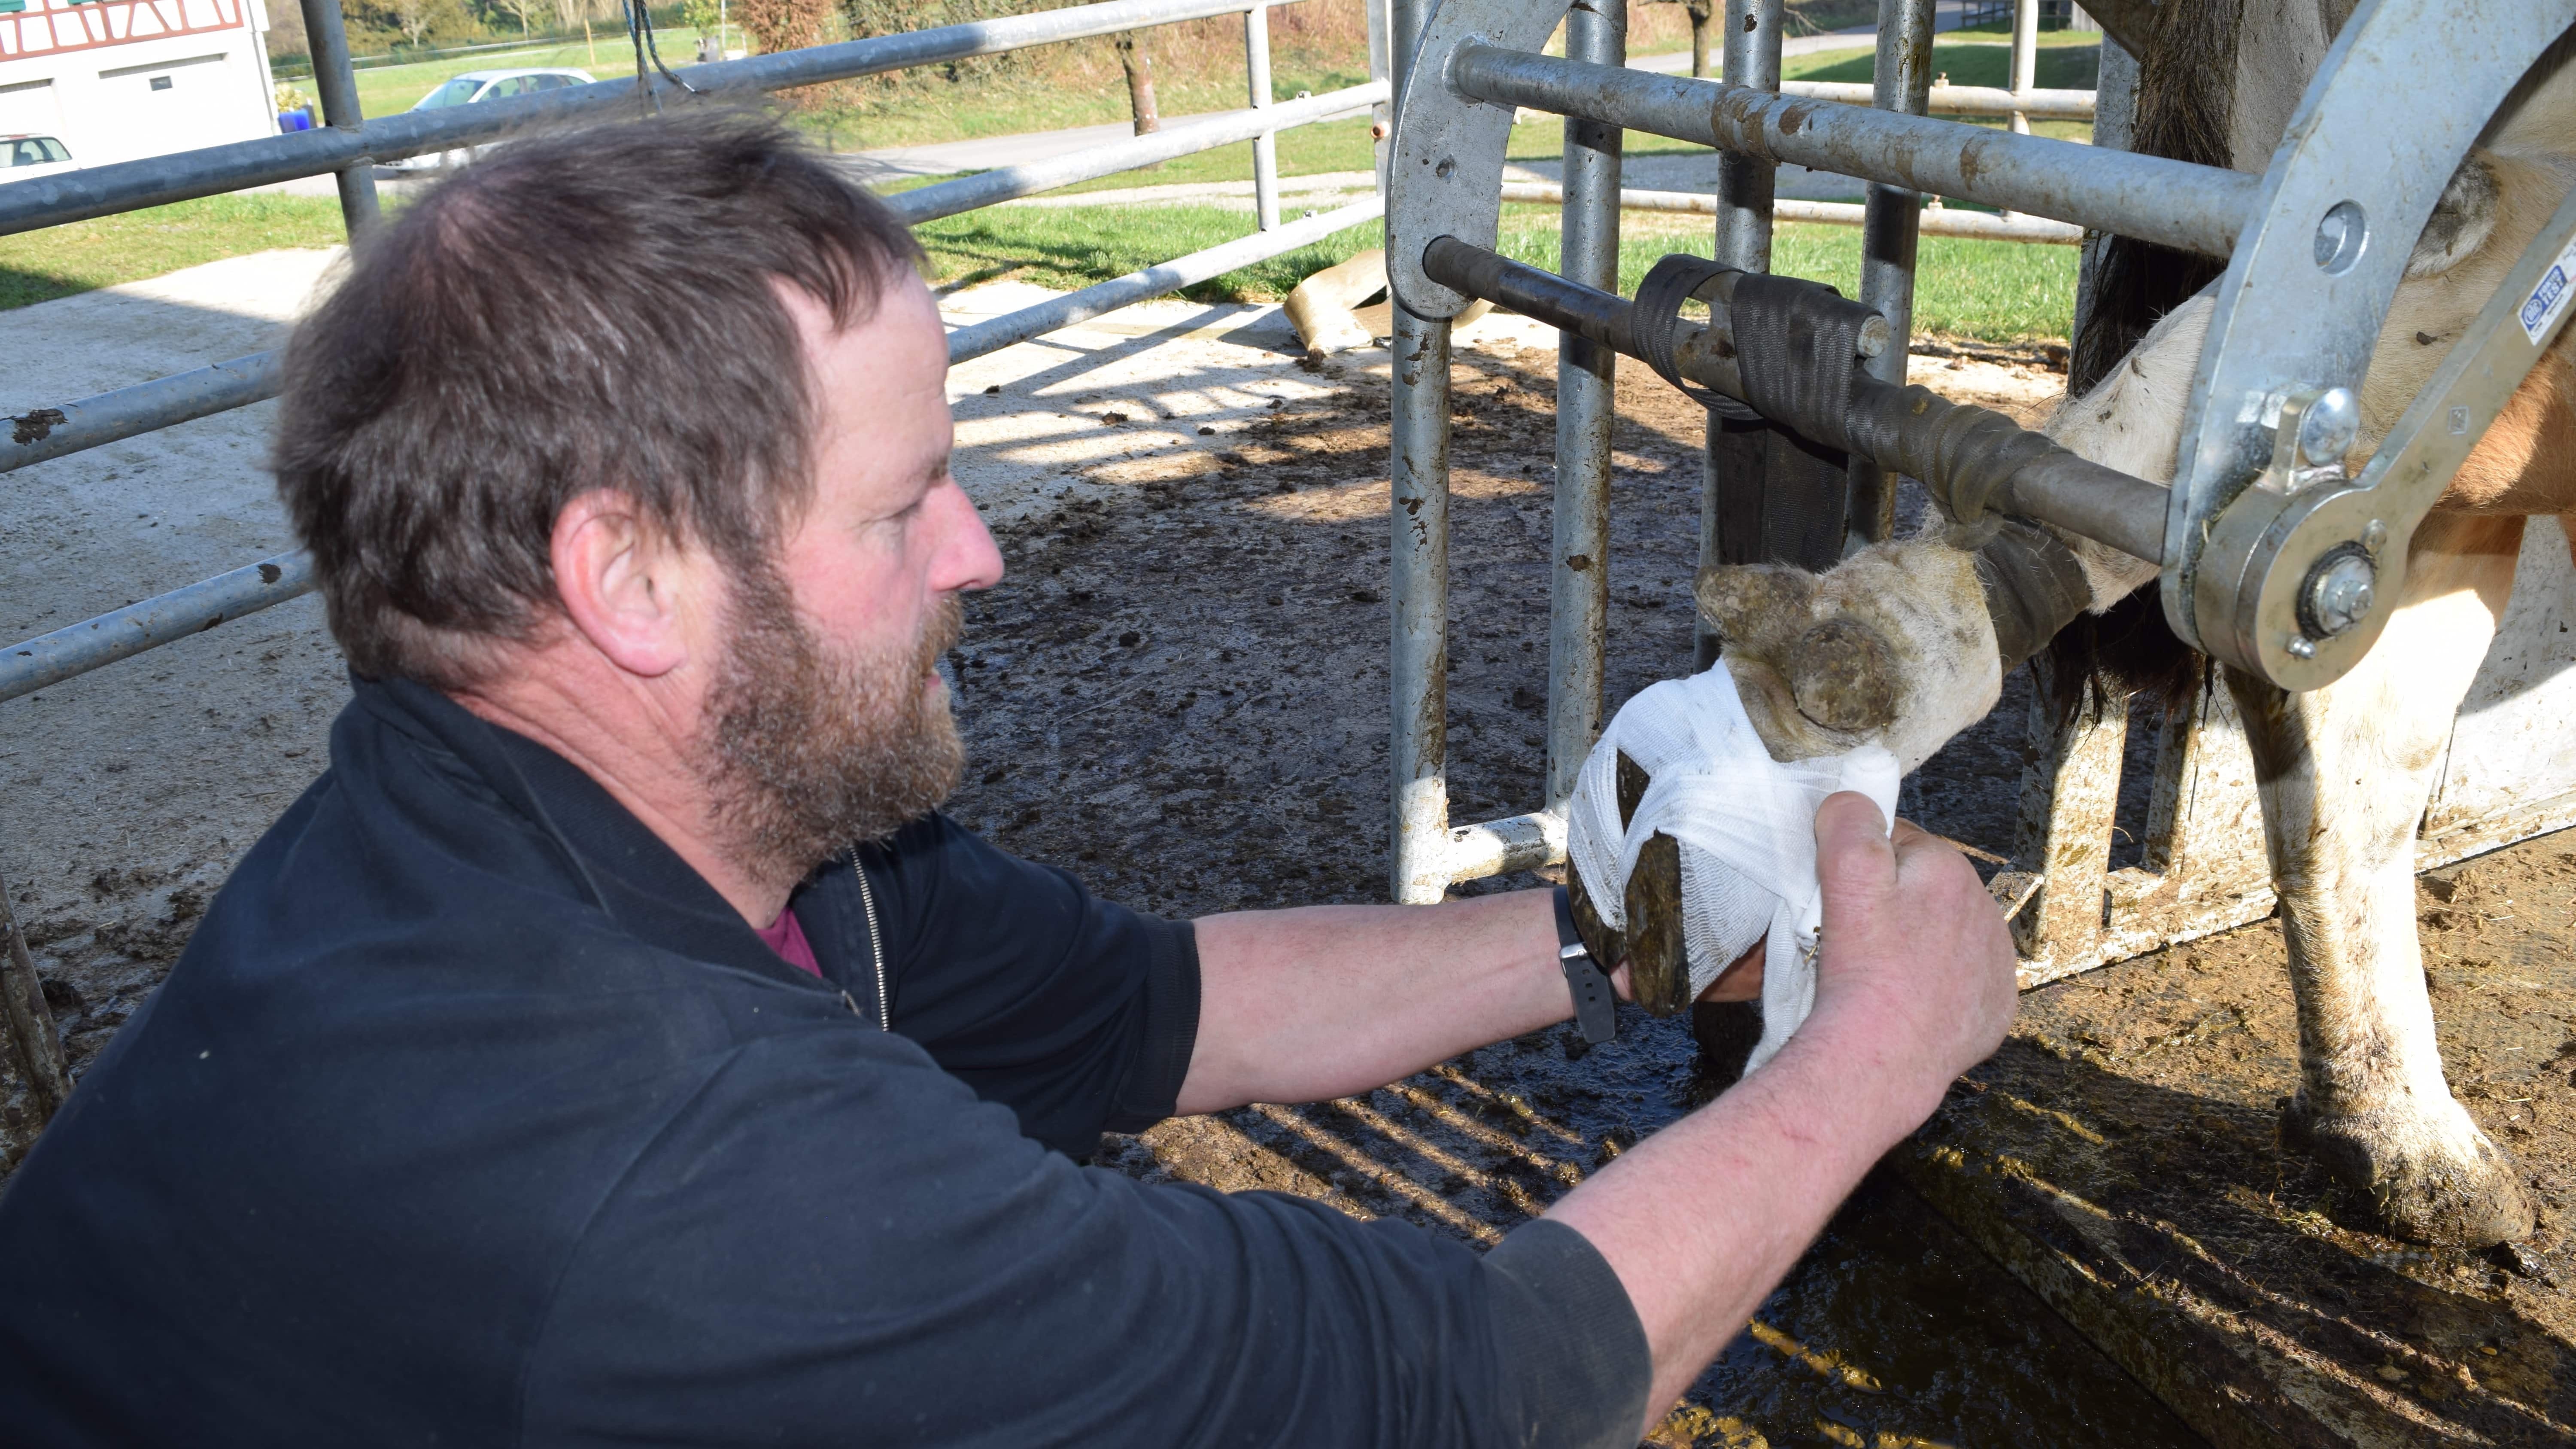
{"x": 2374, "y": 535}
{"x": 1873, "y": 336}
{"x": 2339, "y": 592}
{"x": 2327, "y": 427}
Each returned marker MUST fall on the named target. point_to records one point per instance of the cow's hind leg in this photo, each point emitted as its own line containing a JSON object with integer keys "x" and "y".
{"x": 2345, "y": 772}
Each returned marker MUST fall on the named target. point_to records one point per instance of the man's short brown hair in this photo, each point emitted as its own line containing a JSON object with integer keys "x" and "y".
{"x": 591, "y": 309}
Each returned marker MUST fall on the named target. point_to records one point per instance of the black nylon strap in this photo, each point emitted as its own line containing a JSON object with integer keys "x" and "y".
{"x": 1797, "y": 344}
{"x": 1596, "y": 1006}
{"x": 2033, "y": 586}
{"x": 1657, "y": 315}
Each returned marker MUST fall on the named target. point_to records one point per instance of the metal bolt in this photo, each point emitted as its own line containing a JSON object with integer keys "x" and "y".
{"x": 2300, "y": 648}
{"x": 2339, "y": 593}
{"x": 2374, "y": 535}
{"x": 2327, "y": 427}
{"x": 1873, "y": 336}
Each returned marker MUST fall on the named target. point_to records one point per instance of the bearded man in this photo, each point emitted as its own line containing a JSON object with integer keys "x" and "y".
{"x": 614, "y": 1044}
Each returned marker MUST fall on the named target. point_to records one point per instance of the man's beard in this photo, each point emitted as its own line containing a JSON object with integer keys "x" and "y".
{"x": 808, "y": 748}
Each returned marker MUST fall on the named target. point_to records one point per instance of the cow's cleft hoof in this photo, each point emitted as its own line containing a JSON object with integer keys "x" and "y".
{"x": 2427, "y": 1182}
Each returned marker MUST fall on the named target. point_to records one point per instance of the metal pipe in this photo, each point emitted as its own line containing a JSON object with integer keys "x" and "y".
{"x": 153, "y": 181}
{"x": 109, "y": 417}
{"x": 2048, "y": 105}
{"x": 43, "y": 433}
{"x": 1418, "y": 582}
{"x": 1056, "y": 313}
{"x": 82, "y": 647}
{"x": 2196, "y": 208}
{"x": 2025, "y": 59}
{"x": 1586, "y": 407}
{"x": 1902, "y": 78}
{"x": 1900, "y": 427}
{"x": 1747, "y": 186}
{"x": 337, "y": 81}
{"x": 1265, "y": 146}
{"x": 949, "y": 198}
{"x": 1934, "y": 221}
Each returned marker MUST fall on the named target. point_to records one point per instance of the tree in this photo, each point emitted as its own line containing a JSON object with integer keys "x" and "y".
{"x": 776, "y": 25}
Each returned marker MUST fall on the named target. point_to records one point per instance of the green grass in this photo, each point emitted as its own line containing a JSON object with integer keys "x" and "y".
{"x": 84, "y": 255}
{"x": 384, "y": 90}
{"x": 1991, "y": 291}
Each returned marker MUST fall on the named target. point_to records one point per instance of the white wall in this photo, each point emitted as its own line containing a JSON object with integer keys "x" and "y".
{"x": 131, "y": 98}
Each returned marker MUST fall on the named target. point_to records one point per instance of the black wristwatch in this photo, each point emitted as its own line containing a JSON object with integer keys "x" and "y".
{"x": 1596, "y": 1006}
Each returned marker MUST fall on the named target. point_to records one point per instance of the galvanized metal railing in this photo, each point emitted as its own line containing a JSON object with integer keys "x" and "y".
{"x": 349, "y": 147}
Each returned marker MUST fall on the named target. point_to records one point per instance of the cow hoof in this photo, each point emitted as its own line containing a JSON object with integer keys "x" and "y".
{"x": 1844, "y": 676}
{"x": 2454, "y": 1188}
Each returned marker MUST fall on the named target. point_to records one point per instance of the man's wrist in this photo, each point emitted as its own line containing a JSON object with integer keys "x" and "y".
{"x": 1596, "y": 1004}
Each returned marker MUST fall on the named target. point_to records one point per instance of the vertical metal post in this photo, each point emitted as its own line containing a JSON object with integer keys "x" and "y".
{"x": 2025, "y": 57}
{"x": 1418, "y": 663}
{"x": 1381, "y": 115}
{"x": 1744, "y": 194}
{"x": 1596, "y": 32}
{"x": 1265, "y": 147}
{"x": 1890, "y": 229}
{"x": 338, "y": 83}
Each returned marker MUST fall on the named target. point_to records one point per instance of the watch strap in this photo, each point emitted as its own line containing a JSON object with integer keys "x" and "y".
{"x": 1596, "y": 1006}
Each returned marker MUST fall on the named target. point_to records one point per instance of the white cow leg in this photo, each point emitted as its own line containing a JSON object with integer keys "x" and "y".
{"x": 2344, "y": 773}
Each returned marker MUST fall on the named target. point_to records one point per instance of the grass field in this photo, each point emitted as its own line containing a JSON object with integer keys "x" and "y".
{"x": 1991, "y": 291}
{"x": 64, "y": 260}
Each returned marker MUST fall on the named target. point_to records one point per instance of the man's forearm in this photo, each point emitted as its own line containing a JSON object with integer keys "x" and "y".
{"x": 1704, "y": 1218}
{"x": 1321, "y": 1001}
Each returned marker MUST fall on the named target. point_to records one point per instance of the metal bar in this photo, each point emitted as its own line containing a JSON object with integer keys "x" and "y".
{"x": 2048, "y": 105}
{"x": 1935, "y": 221}
{"x": 153, "y": 181}
{"x": 52, "y": 658}
{"x": 1902, "y": 78}
{"x": 1056, "y": 313}
{"x": 44, "y": 433}
{"x": 949, "y": 198}
{"x": 1418, "y": 583}
{"x": 1497, "y": 847}
{"x": 1895, "y": 425}
{"x": 2025, "y": 59}
{"x": 1382, "y": 116}
{"x": 1586, "y": 407}
{"x": 338, "y": 82}
{"x": 2196, "y": 208}
{"x": 126, "y": 412}
{"x": 1746, "y": 190}
{"x": 1265, "y": 146}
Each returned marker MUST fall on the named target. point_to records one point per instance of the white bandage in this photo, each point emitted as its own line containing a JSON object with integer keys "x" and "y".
{"x": 1746, "y": 825}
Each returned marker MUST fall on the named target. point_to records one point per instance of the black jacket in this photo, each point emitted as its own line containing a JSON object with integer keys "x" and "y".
{"x": 473, "y": 1116}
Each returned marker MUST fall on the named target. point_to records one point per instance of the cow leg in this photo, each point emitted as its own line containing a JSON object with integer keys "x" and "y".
{"x": 2344, "y": 774}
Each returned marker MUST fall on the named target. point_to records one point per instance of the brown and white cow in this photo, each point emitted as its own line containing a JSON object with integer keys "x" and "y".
{"x": 2345, "y": 771}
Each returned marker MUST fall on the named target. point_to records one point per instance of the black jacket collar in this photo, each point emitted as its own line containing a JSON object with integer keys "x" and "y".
{"x": 614, "y": 861}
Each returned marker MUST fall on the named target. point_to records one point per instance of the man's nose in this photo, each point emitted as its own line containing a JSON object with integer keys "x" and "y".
{"x": 968, "y": 557}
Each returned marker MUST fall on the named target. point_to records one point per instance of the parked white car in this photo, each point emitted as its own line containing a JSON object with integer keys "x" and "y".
{"x": 24, "y": 158}
{"x": 482, "y": 85}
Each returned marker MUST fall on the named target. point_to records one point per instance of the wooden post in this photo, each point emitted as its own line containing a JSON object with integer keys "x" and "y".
{"x": 1139, "y": 65}
{"x": 1699, "y": 16}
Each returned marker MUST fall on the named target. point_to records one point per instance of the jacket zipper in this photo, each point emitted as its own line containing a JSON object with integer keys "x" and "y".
{"x": 876, "y": 948}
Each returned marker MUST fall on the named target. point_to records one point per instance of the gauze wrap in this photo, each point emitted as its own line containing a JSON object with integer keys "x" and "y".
{"x": 1746, "y": 825}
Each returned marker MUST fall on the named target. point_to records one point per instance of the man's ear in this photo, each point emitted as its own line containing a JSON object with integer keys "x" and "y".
{"x": 624, "y": 583}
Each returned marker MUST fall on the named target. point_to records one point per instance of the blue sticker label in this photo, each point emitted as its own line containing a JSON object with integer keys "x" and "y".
{"x": 2546, "y": 301}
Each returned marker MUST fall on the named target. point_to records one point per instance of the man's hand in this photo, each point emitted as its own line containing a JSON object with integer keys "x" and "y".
{"x": 1914, "y": 968}
{"x": 1914, "y": 983}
